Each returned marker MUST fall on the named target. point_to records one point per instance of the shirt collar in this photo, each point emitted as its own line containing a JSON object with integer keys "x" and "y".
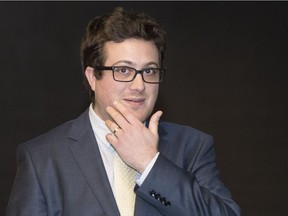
{"x": 99, "y": 128}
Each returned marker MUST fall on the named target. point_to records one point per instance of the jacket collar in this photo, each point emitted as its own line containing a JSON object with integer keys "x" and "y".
{"x": 87, "y": 155}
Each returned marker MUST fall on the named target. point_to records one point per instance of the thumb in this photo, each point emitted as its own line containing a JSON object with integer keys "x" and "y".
{"x": 154, "y": 121}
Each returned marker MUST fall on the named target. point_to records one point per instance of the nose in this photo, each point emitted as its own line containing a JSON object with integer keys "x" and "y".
{"x": 137, "y": 84}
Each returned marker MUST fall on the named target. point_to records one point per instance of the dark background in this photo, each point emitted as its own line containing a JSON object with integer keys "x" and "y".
{"x": 226, "y": 75}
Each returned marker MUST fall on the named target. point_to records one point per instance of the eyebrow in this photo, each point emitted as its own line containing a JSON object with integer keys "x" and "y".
{"x": 130, "y": 63}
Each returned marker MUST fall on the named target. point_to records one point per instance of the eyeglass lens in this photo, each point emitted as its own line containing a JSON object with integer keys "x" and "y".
{"x": 127, "y": 74}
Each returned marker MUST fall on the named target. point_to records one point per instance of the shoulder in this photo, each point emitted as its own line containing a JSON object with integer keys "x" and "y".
{"x": 57, "y": 136}
{"x": 184, "y": 144}
{"x": 184, "y": 137}
{"x": 174, "y": 129}
{"x": 47, "y": 140}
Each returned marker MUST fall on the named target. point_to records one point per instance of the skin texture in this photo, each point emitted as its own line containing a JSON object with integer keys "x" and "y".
{"x": 128, "y": 104}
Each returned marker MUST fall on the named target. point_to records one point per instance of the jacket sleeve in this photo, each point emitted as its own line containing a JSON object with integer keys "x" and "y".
{"x": 26, "y": 198}
{"x": 192, "y": 188}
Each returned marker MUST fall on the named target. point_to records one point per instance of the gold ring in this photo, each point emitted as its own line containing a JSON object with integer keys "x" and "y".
{"x": 116, "y": 129}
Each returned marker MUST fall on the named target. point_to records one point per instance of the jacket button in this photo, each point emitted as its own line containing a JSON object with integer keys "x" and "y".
{"x": 157, "y": 196}
{"x": 152, "y": 193}
{"x": 163, "y": 200}
{"x": 167, "y": 204}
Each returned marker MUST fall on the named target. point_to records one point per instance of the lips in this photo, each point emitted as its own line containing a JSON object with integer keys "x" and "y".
{"x": 134, "y": 101}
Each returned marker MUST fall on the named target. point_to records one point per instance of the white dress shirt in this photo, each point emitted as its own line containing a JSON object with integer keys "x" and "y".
{"x": 107, "y": 151}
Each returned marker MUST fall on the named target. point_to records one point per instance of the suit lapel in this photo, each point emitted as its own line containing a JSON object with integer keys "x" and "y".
{"x": 87, "y": 155}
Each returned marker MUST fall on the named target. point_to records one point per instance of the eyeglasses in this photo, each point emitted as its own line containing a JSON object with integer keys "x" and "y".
{"x": 128, "y": 74}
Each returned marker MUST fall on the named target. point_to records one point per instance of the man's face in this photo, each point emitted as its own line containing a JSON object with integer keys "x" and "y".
{"x": 137, "y": 96}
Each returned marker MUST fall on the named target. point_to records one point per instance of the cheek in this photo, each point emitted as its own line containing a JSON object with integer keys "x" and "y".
{"x": 153, "y": 91}
{"x": 153, "y": 94}
{"x": 110, "y": 92}
{"x": 107, "y": 96}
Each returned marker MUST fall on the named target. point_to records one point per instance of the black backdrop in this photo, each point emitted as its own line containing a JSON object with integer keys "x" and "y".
{"x": 227, "y": 75}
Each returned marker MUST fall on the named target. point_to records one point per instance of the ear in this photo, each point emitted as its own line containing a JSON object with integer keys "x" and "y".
{"x": 89, "y": 73}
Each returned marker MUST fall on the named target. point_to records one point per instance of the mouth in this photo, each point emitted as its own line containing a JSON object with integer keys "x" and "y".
{"x": 135, "y": 102}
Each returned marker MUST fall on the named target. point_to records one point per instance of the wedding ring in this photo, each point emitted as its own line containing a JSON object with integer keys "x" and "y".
{"x": 116, "y": 129}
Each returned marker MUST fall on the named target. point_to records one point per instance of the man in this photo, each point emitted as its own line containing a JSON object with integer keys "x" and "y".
{"x": 70, "y": 170}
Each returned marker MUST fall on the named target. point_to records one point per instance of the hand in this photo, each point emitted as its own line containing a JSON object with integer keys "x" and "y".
{"x": 135, "y": 144}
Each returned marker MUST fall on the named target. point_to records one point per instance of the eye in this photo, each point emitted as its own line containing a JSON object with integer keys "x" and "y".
{"x": 151, "y": 71}
{"x": 123, "y": 70}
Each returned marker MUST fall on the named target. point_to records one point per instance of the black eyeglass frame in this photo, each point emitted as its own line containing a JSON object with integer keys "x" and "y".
{"x": 111, "y": 68}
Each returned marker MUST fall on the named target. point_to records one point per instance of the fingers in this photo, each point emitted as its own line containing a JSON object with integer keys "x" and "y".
{"x": 123, "y": 119}
{"x": 154, "y": 121}
{"x": 111, "y": 139}
{"x": 118, "y": 118}
{"x": 121, "y": 115}
{"x": 131, "y": 139}
{"x": 114, "y": 128}
{"x": 125, "y": 112}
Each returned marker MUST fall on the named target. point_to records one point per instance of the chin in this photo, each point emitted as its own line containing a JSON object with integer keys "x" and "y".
{"x": 143, "y": 118}
{"x": 141, "y": 114}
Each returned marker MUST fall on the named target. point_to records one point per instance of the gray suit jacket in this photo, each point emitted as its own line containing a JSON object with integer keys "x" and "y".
{"x": 62, "y": 173}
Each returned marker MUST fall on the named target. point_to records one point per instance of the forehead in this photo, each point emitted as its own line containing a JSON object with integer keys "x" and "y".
{"x": 136, "y": 51}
